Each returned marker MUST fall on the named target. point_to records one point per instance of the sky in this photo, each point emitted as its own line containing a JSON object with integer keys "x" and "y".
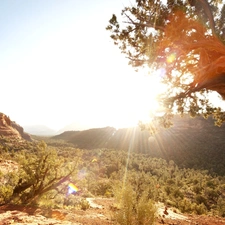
{"x": 59, "y": 66}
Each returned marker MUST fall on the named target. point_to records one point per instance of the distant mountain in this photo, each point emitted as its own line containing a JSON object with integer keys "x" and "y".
{"x": 88, "y": 139}
{"x": 75, "y": 126}
{"x": 39, "y": 130}
{"x": 9, "y": 128}
{"x": 190, "y": 142}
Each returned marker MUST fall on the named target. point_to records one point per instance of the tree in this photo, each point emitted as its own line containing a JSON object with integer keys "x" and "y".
{"x": 40, "y": 171}
{"x": 184, "y": 41}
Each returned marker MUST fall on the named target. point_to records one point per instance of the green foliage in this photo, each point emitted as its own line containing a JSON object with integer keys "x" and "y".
{"x": 84, "y": 204}
{"x": 43, "y": 174}
{"x": 126, "y": 200}
{"x": 199, "y": 209}
{"x": 221, "y": 206}
{"x": 191, "y": 143}
{"x": 6, "y": 192}
{"x": 189, "y": 190}
{"x": 185, "y": 205}
{"x": 132, "y": 207}
{"x": 184, "y": 42}
{"x": 146, "y": 210}
{"x": 40, "y": 170}
{"x": 101, "y": 187}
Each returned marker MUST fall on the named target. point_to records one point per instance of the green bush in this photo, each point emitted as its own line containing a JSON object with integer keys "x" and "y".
{"x": 40, "y": 171}
{"x": 221, "y": 207}
{"x": 6, "y": 192}
{"x": 146, "y": 210}
{"x": 133, "y": 208}
{"x": 185, "y": 206}
{"x": 100, "y": 187}
{"x": 199, "y": 209}
{"x": 84, "y": 204}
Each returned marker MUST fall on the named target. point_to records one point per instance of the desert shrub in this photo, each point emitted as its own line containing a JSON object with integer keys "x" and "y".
{"x": 75, "y": 201}
{"x": 199, "y": 209}
{"x": 211, "y": 194}
{"x": 177, "y": 193}
{"x": 6, "y": 192}
{"x": 110, "y": 169}
{"x": 221, "y": 207}
{"x": 197, "y": 189}
{"x": 40, "y": 171}
{"x": 145, "y": 210}
{"x": 171, "y": 203}
{"x": 126, "y": 202}
{"x": 168, "y": 190}
{"x": 200, "y": 199}
{"x": 185, "y": 206}
{"x": 100, "y": 187}
{"x": 133, "y": 209}
{"x": 84, "y": 204}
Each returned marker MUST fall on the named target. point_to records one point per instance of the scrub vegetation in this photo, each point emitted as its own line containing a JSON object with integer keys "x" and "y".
{"x": 42, "y": 174}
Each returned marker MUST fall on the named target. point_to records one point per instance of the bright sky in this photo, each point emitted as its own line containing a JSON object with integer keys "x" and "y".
{"x": 58, "y": 65}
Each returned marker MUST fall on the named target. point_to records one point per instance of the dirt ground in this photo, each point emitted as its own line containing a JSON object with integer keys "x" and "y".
{"x": 100, "y": 213}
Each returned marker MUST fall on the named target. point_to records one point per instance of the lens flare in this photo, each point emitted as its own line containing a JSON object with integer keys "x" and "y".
{"x": 171, "y": 58}
{"x": 72, "y": 188}
{"x": 94, "y": 160}
{"x": 161, "y": 73}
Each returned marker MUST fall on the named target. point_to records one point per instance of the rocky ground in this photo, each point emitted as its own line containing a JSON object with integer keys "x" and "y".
{"x": 100, "y": 212}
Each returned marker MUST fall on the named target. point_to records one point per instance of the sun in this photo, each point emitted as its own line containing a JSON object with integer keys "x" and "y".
{"x": 148, "y": 92}
{"x": 138, "y": 100}
{"x": 122, "y": 100}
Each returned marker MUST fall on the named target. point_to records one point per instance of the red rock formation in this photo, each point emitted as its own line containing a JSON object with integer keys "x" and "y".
{"x": 12, "y": 129}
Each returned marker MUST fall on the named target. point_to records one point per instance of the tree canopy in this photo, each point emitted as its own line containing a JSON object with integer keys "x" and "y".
{"x": 184, "y": 40}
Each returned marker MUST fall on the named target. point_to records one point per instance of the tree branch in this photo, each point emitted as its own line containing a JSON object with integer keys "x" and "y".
{"x": 198, "y": 4}
{"x": 143, "y": 24}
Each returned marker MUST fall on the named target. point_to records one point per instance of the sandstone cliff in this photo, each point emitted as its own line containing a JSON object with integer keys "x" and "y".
{"x": 12, "y": 129}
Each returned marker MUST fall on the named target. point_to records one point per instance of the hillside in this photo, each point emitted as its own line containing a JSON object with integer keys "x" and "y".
{"x": 182, "y": 196}
{"x": 88, "y": 139}
{"x": 194, "y": 143}
{"x": 11, "y": 129}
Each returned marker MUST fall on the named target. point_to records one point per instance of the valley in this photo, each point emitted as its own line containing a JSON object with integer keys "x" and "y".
{"x": 177, "y": 173}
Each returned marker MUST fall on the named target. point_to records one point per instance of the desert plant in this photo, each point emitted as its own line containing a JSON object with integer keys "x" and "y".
{"x": 5, "y": 193}
{"x": 40, "y": 171}
{"x": 199, "y": 209}
{"x": 100, "y": 187}
{"x": 133, "y": 209}
{"x": 221, "y": 207}
{"x": 84, "y": 204}
{"x": 146, "y": 210}
{"x": 126, "y": 202}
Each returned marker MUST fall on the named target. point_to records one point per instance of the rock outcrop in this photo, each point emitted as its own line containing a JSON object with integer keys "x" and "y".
{"x": 11, "y": 129}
